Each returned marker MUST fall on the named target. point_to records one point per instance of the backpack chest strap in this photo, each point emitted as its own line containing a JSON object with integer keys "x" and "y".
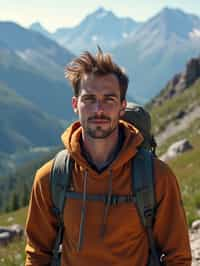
{"x": 115, "y": 199}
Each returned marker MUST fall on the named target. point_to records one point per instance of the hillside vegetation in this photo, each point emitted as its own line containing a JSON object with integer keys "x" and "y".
{"x": 167, "y": 112}
{"x": 23, "y": 125}
{"x": 186, "y": 165}
{"x": 13, "y": 254}
{"x": 15, "y": 188}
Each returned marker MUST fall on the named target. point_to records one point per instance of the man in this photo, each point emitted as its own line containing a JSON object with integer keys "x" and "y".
{"x": 102, "y": 148}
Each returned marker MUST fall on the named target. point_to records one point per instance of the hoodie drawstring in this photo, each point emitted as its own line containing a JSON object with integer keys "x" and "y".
{"x": 83, "y": 212}
{"x": 105, "y": 215}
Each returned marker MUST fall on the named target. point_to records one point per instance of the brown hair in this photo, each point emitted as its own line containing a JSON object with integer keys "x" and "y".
{"x": 101, "y": 64}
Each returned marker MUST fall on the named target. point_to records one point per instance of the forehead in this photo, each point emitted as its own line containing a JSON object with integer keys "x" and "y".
{"x": 99, "y": 84}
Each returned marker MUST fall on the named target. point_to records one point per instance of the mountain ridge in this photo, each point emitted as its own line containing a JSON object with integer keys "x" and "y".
{"x": 153, "y": 54}
{"x": 29, "y": 69}
{"x": 100, "y": 27}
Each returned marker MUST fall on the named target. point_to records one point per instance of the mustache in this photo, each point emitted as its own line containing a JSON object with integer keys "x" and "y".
{"x": 103, "y": 117}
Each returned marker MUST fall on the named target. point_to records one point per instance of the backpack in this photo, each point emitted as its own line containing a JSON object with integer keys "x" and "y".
{"x": 143, "y": 191}
{"x": 142, "y": 185}
{"x": 141, "y": 119}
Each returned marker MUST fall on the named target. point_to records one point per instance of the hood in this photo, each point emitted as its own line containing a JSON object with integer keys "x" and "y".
{"x": 133, "y": 139}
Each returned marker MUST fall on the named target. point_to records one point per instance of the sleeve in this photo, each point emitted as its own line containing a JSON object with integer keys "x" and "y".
{"x": 41, "y": 222}
{"x": 170, "y": 228}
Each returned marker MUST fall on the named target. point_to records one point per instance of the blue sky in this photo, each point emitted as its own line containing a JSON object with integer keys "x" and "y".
{"x": 64, "y": 13}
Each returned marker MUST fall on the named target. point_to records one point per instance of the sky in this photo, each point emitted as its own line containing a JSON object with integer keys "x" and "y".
{"x": 53, "y": 14}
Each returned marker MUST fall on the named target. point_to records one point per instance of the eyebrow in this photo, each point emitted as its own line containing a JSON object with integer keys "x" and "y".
{"x": 105, "y": 95}
{"x": 111, "y": 95}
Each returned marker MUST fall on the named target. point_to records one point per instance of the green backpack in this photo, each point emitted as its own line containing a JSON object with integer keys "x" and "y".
{"x": 142, "y": 187}
{"x": 141, "y": 119}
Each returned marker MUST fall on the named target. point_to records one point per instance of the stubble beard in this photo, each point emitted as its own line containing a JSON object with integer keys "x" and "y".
{"x": 99, "y": 133}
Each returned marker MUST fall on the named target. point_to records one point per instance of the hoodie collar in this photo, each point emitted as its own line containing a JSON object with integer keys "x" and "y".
{"x": 132, "y": 139}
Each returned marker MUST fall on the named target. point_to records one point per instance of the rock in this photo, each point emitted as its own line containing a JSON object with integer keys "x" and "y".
{"x": 195, "y": 242}
{"x": 176, "y": 148}
{"x": 192, "y": 71}
{"x": 196, "y": 225}
{"x": 180, "y": 114}
{"x": 180, "y": 82}
{"x": 7, "y": 234}
{"x": 5, "y": 238}
{"x": 17, "y": 229}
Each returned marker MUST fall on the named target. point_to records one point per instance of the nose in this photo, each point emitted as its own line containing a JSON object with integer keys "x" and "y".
{"x": 99, "y": 108}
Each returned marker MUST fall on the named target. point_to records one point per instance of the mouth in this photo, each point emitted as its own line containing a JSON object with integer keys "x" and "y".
{"x": 99, "y": 121}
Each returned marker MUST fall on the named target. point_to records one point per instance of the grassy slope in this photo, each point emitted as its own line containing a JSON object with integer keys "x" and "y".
{"x": 13, "y": 254}
{"x": 185, "y": 166}
{"x": 163, "y": 114}
{"x": 23, "y": 124}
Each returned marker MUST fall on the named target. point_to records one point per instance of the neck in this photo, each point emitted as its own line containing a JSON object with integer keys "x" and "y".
{"x": 100, "y": 150}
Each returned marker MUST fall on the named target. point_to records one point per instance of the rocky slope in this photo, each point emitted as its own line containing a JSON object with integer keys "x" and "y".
{"x": 195, "y": 243}
{"x": 178, "y": 104}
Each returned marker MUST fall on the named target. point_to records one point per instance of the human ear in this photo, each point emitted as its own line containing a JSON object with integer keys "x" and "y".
{"x": 123, "y": 108}
{"x": 75, "y": 104}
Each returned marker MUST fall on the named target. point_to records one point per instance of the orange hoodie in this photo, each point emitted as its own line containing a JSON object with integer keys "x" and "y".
{"x": 125, "y": 241}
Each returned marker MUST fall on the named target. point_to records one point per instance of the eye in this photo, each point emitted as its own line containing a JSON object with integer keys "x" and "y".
{"x": 89, "y": 99}
{"x": 110, "y": 99}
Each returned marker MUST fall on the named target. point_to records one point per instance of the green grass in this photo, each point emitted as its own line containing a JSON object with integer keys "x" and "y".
{"x": 165, "y": 113}
{"x": 17, "y": 217}
{"x": 13, "y": 254}
{"x": 192, "y": 133}
{"x": 186, "y": 167}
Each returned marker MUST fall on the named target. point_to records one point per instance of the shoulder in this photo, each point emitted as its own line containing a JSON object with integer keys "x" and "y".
{"x": 165, "y": 180}
{"x": 44, "y": 172}
{"x": 162, "y": 170}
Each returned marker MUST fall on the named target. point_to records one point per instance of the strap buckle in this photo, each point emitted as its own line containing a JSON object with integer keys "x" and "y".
{"x": 148, "y": 214}
{"x": 129, "y": 198}
{"x": 114, "y": 200}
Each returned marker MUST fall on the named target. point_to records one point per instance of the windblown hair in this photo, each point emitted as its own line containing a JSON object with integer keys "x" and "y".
{"x": 101, "y": 64}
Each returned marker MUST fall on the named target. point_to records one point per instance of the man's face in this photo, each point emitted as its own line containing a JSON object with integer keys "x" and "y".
{"x": 99, "y": 106}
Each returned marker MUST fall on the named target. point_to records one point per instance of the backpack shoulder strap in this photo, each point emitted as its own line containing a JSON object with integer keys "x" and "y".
{"x": 143, "y": 186}
{"x": 60, "y": 179}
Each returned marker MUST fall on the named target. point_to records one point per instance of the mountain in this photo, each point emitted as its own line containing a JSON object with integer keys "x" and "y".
{"x": 178, "y": 105}
{"x": 180, "y": 82}
{"x": 101, "y": 27}
{"x": 157, "y": 50}
{"x": 39, "y": 28}
{"x": 33, "y": 67}
{"x": 36, "y": 49}
{"x": 24, "y": 126}
{"x": 50, "y": 96}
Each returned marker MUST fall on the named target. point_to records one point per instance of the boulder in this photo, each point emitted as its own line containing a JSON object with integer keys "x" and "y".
{"x": 176, "y": 148}
{"x": 7, "y": 234}
{"x": 5, "y": 238}
{"x": 196, "y": 225}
